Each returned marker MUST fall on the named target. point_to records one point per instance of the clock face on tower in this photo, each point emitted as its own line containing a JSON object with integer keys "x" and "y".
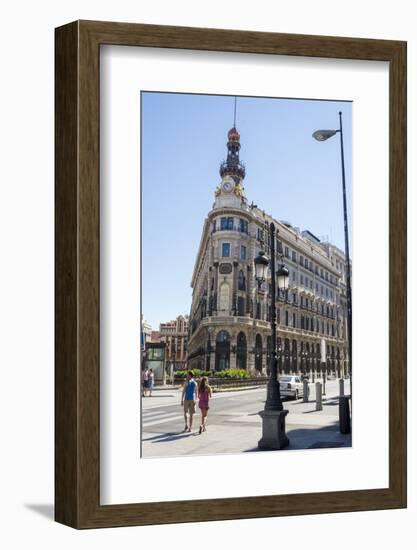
{"x": 227, "y": 186}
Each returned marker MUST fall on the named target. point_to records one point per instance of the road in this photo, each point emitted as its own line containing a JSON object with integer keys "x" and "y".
{"x": 234, "y": 424}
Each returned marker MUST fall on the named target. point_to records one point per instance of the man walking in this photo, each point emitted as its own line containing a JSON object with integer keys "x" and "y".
{"x": 188, "y": 399}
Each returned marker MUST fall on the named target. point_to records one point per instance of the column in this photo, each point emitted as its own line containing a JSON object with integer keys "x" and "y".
{"x": 216, "y": 279}
{"x": 249, "y": 285}
{"x": 209, "y": 291}
{"x": 234, "y": 289}
{"x": 232, "y": 360}
{"x": 250, "y": 359}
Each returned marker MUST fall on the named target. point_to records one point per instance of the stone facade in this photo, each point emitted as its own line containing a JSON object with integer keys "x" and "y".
{"x": 230, "y": 316}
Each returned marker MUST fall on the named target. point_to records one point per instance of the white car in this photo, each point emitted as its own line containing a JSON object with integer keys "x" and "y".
{"x": 292, "y": 386}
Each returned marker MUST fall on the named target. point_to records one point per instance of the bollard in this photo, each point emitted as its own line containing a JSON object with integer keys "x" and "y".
{"x": 305, "y": 390}
{"x": 319, "y": 404}
{"x": 344, "y": 415}
{"x": 324, "y": 383}
{"x": 341, "y": 387}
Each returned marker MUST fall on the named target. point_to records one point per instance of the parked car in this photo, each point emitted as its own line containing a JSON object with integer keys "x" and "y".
{"x": 292, "y": 386}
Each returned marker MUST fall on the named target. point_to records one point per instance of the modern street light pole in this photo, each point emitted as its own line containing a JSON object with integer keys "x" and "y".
{"x": 273, "y": 415}
{"x": 323, "y": 135}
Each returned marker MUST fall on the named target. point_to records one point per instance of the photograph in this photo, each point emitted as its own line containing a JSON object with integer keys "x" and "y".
{"x": 230, "y": 275}
{"x": 245, "y": 274}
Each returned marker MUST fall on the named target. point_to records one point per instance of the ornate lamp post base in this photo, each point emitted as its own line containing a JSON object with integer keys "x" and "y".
{"x": 273, "y": 431}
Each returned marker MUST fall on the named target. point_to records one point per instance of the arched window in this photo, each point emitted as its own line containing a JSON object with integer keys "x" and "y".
{"x": 241, "y": 351}
{"x": 222, "y": 350}
{"x": 223, "y": 336}
{"x": 294, "y": 347}
{"x": 258, "y": 352}
{"x": 241, "y": 281}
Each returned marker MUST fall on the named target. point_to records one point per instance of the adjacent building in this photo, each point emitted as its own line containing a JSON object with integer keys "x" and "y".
{"x": 155, "y": 336}
{"x": 229, "y": 323}
{"x": 175, "y": 335}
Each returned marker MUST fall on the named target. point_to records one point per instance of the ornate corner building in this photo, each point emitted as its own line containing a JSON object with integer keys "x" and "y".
{"x": 229, "y": 324}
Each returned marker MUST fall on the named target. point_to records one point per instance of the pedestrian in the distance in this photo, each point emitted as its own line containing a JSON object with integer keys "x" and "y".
{"x": 151, "y": 378}
{"x": 204, "y": 395}
{"x": 188, "y": 399}
{"x": 145, "y": 381}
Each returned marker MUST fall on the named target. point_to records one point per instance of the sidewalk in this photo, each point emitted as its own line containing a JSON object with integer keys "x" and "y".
{"x": 230, "y": 431}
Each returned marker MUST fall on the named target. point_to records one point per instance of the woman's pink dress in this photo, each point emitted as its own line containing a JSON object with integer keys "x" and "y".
{"x": 204, "y": 400}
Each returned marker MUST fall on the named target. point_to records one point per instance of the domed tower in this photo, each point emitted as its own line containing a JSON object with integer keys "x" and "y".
{"x": 232, "y": 165}
{"x": 230, "y": 192}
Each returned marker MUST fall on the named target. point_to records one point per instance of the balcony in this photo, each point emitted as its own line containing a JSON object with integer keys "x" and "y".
{"x": 231, "y": 228}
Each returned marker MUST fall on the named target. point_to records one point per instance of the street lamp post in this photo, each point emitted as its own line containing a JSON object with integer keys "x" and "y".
{"x": 273, "y": 415}
{"x": 323, "y": 135}
{"x": 279, "y": 359}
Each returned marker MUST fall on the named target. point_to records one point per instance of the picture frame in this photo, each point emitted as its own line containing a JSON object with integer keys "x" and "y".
{"x": 77, "y": 291}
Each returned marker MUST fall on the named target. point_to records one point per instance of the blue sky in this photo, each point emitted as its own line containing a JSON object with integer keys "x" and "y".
{"x": 288, "y": 174}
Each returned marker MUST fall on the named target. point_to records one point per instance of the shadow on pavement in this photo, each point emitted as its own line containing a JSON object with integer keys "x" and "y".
{"x": 326, "y": 437}
{"x": 162, "y": 438}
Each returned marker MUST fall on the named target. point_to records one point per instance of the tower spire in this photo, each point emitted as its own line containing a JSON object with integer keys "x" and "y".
{"x": 234, "y": 117}
{"x": 232, "y": 165}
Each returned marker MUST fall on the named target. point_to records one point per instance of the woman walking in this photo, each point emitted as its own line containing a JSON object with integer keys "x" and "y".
{"x": 204, "y": 396}
{"x": 145, "y": 381}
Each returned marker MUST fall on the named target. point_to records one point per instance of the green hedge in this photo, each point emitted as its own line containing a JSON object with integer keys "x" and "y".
{"x": 227, "y": 373}
{"x": 197, "y": 373}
